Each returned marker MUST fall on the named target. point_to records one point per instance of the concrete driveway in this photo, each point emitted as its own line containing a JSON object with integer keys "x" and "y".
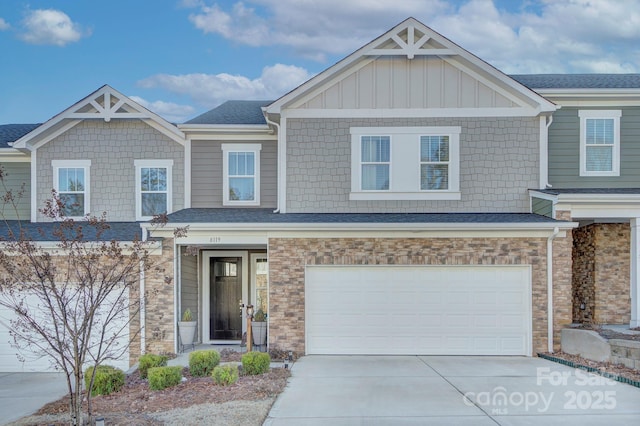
{"x": 22, "y": 394}
{"x": 449, "y": 390}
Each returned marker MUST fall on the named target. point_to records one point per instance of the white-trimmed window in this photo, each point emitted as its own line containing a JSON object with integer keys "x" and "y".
{"x": 600, "y": 142}
{"x": 241, "y": 174}
{"x": 71, "y": 182}
{"x": 153, "y": 188}
{"x": 405, "y": 163}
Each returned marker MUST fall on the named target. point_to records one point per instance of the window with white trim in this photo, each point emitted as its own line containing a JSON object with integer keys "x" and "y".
{"x": 241, "y": 174}
{"x": 600, "y": 142}
{"x": 405, "y": 163}
{"x": 153, "y": 188}
{"x": 71, "y": 182}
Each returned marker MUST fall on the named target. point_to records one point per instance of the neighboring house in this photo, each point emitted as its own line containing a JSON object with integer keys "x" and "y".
{"x": 410, "y": 199}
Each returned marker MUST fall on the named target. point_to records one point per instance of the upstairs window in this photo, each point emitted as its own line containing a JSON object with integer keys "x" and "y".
{"x": 71, "y": 182}
{"x": 434, "y": 162}
{"x": 405, "y": 163}
{"x": 376, "y": 161}
{"x": 241, "y": 170}
{"x": 153, "y": 188}
{"x": 600, "y": 142}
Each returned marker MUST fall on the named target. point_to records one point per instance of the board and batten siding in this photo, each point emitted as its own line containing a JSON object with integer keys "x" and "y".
{"x": 499, "y": 163}
{"x": 15, "y": 175}
{"x": 564, "y": 151}
{"x": 206, "y": 173}
{"x": 542, "y": 207}
{"x": 189, "y": 286}
{"x": 399, "y": 82}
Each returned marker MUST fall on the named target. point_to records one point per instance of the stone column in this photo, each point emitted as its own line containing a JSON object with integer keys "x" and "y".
{"x": 635, "y": 273}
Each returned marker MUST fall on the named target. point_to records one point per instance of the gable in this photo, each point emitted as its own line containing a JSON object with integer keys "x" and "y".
{"x": 412, "y": 70}
{"x": 104, "y": 104}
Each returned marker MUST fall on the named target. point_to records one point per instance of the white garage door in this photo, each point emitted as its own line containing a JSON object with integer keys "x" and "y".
{"x": 10, "y": 362}
{"x": 427, "y": 310}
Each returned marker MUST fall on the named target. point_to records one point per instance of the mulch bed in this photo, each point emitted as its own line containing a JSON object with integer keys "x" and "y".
{"x": 136, "y": 397}
{"x": 603, "y": 368}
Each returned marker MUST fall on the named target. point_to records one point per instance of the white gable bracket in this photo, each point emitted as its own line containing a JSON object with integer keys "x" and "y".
{"x": 410, "y": 48}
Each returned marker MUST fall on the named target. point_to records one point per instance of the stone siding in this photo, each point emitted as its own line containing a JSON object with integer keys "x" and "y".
{"x": 112, "y": 148}
{"x": 498, "y": 164}
{"x": 159, "y": 288}
{"x": 562, "y": 276}
{"x": 601, "y": 273}
{"x": 288, "y": 258}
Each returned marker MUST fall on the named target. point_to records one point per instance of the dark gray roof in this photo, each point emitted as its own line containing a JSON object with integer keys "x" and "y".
{"x": 13, "y": 132}
{"x": 45, "y": 231}
{"x": 579, "y": 81}
{"x": 595, "y": 191}
{"x": 248, "y": 215}
{"x": 233, "y": 112}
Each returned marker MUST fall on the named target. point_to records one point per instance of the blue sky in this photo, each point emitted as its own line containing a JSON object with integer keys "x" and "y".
{"x": 182, "y": 57}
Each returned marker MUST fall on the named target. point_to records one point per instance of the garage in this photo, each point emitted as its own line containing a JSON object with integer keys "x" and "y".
{"x": 425, "y": 310}
{"x": 30, "y": 362}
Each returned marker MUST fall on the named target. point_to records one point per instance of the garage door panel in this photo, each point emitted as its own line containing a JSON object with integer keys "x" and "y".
{"x": 418, "y": 310}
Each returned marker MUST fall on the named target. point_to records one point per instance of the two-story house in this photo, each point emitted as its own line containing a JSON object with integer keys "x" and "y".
{"x": 407, "y": 200}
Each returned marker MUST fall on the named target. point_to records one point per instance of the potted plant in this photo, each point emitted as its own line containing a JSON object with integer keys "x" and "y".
{"x": 259, "y": 328}
{"x": 187, "y": 328}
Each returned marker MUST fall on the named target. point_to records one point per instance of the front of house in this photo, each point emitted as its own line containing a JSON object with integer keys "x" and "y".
{"x": 411, "y": 199}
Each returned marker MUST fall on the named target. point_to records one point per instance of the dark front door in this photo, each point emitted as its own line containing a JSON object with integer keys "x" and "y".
{"x": 225, "y": 316}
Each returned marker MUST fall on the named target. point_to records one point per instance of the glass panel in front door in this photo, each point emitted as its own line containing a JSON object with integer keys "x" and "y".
{"x": 225, "y": 319}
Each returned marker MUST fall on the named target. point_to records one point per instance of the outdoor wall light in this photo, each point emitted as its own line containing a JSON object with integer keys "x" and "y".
{"x": 100, "y": 421}
{"x": 583, "y": 306}
{"x": 249, "y": 311}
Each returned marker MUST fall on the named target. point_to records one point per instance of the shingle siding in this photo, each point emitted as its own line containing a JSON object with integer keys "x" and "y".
{"x": 112, "y": 148}
{"x": 564, "y": 151}
{"x": 499, "y": 161}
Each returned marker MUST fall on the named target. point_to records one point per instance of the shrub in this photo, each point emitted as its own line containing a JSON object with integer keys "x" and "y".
{"x": 202, "y": 363}
{"x": 108, "y": 380}
{"x": 164, "y": 377}
{"x": 255, "y": 363}
{"x": 149, "y": 361}
{"x": 225, "y": 375}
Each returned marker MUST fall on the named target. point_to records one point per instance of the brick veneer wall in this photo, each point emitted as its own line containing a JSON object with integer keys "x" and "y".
{"x": 601, "y": 256}
{"x": 288, "y": 258}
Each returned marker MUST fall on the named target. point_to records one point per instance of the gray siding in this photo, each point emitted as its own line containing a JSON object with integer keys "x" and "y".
{"x": 564, "y": 151}
{"x": 189, "y": 286}
{"x": 112, "y": 148}
{"x": 206, "y": 173}
{"x": 499, "y": 162}
{"x": 542, "y": 207}
{"x": 17, "y": 178}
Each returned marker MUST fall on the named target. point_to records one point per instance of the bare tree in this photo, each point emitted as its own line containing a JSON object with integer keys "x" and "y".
{"x": 73, "y": 300}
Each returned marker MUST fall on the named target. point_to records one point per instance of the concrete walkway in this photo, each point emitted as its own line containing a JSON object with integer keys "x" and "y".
{"x": 22, "y": 394}
{"x": 462, "y": 390}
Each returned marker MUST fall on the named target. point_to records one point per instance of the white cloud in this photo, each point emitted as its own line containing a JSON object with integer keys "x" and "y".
{"x": 4, "y": 25}
{"x": 50, "y": 26}
{"x": 210, "y": 90}
{"x": 172, "y": 112}
{"x": 540, "y": 36}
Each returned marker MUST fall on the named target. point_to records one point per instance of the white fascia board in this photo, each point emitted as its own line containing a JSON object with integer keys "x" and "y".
{"x": 53, "y": 247}
{"x": 367, "y": 227}
{"x": 223, "y": 127}
{"x": 601, "y": 211}
{"x": 599, "y": 198}
{"x": 11, "y": 155}
{"x": 589, "y": 93}
{"x": 543, "y": 195}
{"x": 411, "y": 112}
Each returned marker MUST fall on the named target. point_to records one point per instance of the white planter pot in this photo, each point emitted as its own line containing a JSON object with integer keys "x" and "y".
{"x": 259, "y": 332}
{"x": 187, "y": 331}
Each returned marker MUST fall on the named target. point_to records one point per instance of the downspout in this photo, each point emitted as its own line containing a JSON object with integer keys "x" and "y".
{"x": 546, "y": 152}
{"x": 143, "y": 304}
{"x": 556, "y": 231}
{"x": 277, "y": 126}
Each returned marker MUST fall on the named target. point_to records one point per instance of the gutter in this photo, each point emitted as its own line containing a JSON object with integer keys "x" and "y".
{"x": 555, "y": 233}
